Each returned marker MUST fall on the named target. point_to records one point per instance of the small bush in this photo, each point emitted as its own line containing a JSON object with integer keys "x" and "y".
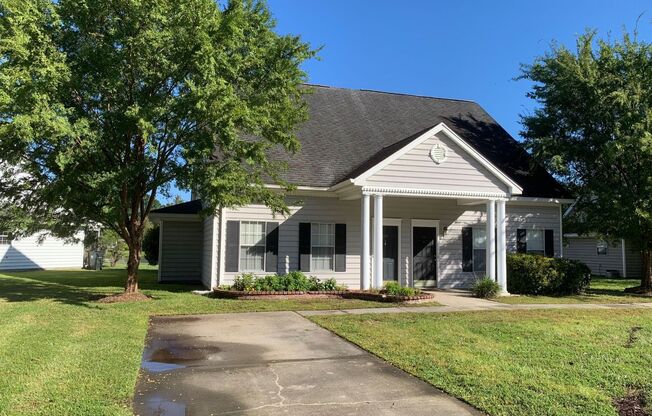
{"x": 537, "y": 275}
{"x": 395, "y": 289}
{"x": 244, "y": 282}
{"x": 485, "y": 288}
{"x": 331, "y": 284}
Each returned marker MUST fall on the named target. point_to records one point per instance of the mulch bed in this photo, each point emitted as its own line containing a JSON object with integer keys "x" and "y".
{"x": 124, "y": 297}
{"x": 346, "y": 294}
{"x": 633, "y": 404}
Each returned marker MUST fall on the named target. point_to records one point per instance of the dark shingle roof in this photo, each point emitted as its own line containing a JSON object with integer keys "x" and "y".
{"x": 191, "y": 207}
{"x": 351, "y": 130}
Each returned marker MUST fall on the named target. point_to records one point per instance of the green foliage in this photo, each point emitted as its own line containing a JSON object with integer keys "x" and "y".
{"x": 104, "y": 104}
{"x": 537, "y": 275}
{"x": 593, "y": 129}
{"x": 295, "y": 281}
{"x": 150, "y": 244}
{"x": 107, "y": 242}
{"x": 395, "y": 289}
{"x": 244, "y": 282}
{"x": 485, "y": 288}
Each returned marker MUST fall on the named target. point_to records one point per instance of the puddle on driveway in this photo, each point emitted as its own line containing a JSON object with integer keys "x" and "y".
{"x": 161, "y": 407}
{"x": 174, "y": 356}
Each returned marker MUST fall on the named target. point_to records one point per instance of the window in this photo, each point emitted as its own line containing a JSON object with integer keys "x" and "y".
{"x": 602, "y": 248}
{"x": 479, "y": 249}
{"x": 322, "y": 241}
{"x": 535, "y": 242}
{"x": 252, "y": 246}
{"x": 4, "y": 238}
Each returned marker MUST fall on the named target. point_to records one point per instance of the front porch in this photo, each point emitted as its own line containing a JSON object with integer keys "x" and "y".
{"x": 418, "y": 242}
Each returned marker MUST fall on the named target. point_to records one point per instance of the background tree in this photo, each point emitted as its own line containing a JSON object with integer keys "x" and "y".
{"x": 593, "y": 129}
{"x": 104, "y": 103}
{"x": 150, "y": 244}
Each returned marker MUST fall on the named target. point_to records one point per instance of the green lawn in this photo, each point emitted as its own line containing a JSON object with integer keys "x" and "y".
{"x": 545, "y": 362}
{"x": 601, "y": 290}
{"x": 63, "y": 354}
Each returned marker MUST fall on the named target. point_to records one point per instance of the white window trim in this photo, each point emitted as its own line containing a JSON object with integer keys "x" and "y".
{"x": 311, "y": 246}
{"x": 7, "y": 238}
{"x": 409, "y": 274}
{"x": 240, "y": 270}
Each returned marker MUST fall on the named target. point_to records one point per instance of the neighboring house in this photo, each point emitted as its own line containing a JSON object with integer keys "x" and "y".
{"x": 33, "y": 252}
{"x": 622, "y": 258}
{"x": 390, "y": 187}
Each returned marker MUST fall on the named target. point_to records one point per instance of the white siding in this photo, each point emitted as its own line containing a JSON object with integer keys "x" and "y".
{"x": 459, "y": 172}
{"x": 52, "y": 253}
{"x": 209, "y": 255}
{"x": 181, "y": 250}
{"x": 585, "y": 250}
{"x": 452, "y": 216}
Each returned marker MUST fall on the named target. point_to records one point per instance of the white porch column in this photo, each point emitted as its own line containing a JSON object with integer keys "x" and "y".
{"x": 502, "y": 247}
{"x": 378, "y": 241}
{"x": 491, "y": 239}
{"x": 365, "y": 262}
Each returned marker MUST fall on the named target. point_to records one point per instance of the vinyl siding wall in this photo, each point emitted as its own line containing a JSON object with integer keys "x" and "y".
{"x": 209, "y": 251}
{"x": 181, "y": 250}
{"x": 585, "y": 250}
{"x": 459, "y": 172}
{"x": 53, "y": 253}
{"x": 452, "y": 216}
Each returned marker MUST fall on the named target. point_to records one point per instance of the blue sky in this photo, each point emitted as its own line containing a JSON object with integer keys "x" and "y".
{"x": 456, "y": 49}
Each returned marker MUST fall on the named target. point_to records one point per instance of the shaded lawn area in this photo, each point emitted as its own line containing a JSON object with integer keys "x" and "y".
{"x": 601, "y": 290}
{"x": 61, "y": 353}
{"x": 545, "y": 362}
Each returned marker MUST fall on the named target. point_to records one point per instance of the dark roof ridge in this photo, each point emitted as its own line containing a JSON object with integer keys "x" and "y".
{"x": 428, "y": 97}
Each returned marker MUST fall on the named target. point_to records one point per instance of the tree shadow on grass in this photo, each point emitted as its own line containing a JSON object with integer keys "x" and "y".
{"x": 75, "y": 287}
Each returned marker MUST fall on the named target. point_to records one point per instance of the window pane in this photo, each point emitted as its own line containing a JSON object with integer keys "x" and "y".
{"x": 322, "y": 258}
{"x": 252, "y": 258}
{"x": 252, "y": 233}
{"x": 4, "y": 238}
{"x": 479, "y": 238}
{"x": 602, "y": 248}
{"x": 479, "y": 259}
{"x": 534, "y": 240}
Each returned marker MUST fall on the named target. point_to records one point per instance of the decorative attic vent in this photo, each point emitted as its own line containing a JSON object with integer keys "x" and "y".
{"x": 438, "y": 153}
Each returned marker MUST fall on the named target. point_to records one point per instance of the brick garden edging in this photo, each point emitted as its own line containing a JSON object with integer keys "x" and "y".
{"x": 324, "y": 294}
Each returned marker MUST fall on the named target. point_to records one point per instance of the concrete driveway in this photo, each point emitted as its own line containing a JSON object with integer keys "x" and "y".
{"x": 272, "y": 363}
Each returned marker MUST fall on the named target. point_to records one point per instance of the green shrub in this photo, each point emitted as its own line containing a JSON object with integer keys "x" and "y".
{"x": 296, "y": 281}
{"x": 537, "y": 275}
{"x": 395, "y": 289}
{"x": 150, "y": 245}
{"x": 244, "y": 282}
{"x": 485, "y": 288}
{"x": 331, "y": 284}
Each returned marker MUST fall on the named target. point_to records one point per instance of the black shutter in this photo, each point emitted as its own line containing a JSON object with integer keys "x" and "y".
{"x": 232, "y": 246}
{"x": 271, "y": 244}
{"x": 340, "y": 247}
{"x": 549, "y": 242}
{"x": 521, "y": 241}
{"x": 304, "y": 246}
{"x": 467, "y": 249}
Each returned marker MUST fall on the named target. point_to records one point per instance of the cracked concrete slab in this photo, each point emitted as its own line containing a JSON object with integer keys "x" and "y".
{"x": 270, "y": 364}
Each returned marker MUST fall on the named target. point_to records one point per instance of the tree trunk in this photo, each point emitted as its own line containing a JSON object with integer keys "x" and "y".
{"x": 132, "y": 268}
{"x": 646, "y": 275}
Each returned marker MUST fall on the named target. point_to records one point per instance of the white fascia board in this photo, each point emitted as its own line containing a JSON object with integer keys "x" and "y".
{"x": 528, "y": 200}
{"x": 513, "y": 187}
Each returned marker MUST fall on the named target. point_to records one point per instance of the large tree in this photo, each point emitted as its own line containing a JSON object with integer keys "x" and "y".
{"x": 593, "y": 129}
{"x": 106, "y": 103}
